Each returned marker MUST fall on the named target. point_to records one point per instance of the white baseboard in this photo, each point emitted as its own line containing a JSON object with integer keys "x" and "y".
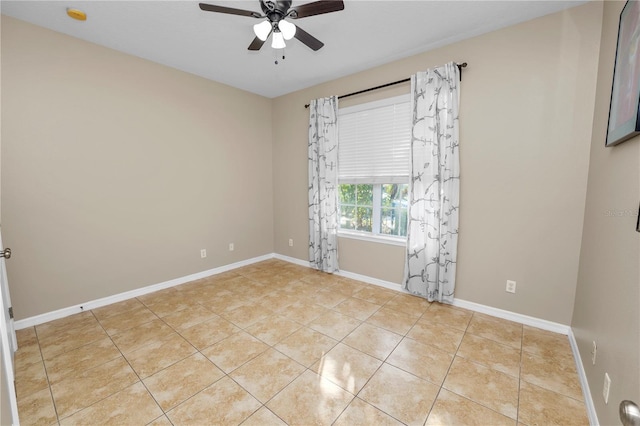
{"x": 476, "y": 307}
{"x": 586, "y": 392}
{"x": 71, "y": 310}
{"x": 292, "y": 260}
{"x": 513, "y": 316}
{"x": 472, "y": 306}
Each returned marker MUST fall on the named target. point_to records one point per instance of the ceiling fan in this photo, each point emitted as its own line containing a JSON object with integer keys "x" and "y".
{"x": 275, "y": 13}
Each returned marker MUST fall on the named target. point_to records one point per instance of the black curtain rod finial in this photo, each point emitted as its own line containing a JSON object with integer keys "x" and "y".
{"x": 460, "y": 66}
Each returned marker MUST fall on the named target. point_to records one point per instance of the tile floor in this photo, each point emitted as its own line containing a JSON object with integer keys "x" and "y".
{"x": 276, "y": 343}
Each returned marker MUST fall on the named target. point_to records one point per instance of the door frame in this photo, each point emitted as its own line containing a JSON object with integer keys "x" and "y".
{"x": 8, "y": 337}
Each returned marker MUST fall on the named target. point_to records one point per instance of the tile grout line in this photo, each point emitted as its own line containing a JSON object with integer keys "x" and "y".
{"x": 44, "y": 365}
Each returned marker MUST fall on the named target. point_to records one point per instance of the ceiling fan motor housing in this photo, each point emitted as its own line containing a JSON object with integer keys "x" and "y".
{"x": 275, "y": 11}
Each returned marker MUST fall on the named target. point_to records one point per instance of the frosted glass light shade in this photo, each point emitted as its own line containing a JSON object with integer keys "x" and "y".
{"x": 287, "y": 28}
{"x": 277, "y": 41}
{"x": 262, "y": 30}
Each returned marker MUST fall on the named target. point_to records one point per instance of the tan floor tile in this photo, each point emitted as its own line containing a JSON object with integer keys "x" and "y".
{"x": 223, "y": 303}
{"x": 408, "y": 304}
{"x": 502, "y": 331}
{"x": 493, "y": 389}
{"x": 360, "y": 413}
{"x": 127, "y": 320}
{"x": 552, "y": 346}
{"x": 158, "y": 296}
{"x": 452, "y": 409}
{"x": 93, "y": 383}
{"x": 277, "y": 301}
{"x": 412, "y": 397}
{"x": 27, "y": 354}
{"x": 55, "y": 327}
{"x": 264, "y": 417}
{"x": 137, "y": 337}
{"x": 196, "y": 291}
{"x": 267, "y": 374}
{"x": 375, "y": 295}
{"x": 391, "y": 320}
{"x": 185, "y": 378}
{"x": 188, "y": 317}
{"x": 273, "y": 329}
{"x": 84, "y": 389}
{"x": 161, "y": 421}
{"x": 447, "y": 315}
{"x": 328, "y": 298}
{"x": 233, "y": 351}
{"x": 347, "y": 367}
{"x": 374, "y": 341}
{"x": 446, "y": 338}
{"x": 132, "y": 405}
{"x": 304, "y": 313}
{"x": 490, "y": 354}
{"x": 334, "y": 324}
{"x": 310, "y": 400}
{"x": 426, "y": 362}
{"x": 37, "y": 408}
{"x": 222, "y": 403}
{"x": 347, "y": 286}
{"x": 300, "y": 289}
{"x": 247, "y": 315}
{"x": 70, "y": 339}
{"x": 558, "y": 377}
{"x": 30, "y": 378}
{"x": 159, "y": 354}
{"x": 539, "y": 406}
{"x": 207, "y": 333}
{"x": 320, "y": 279}
{"x": 306, "y": 346}
{"x": 117, "y": 308}
{"x": 26, "y": 336}
{"x": 357, "y": 308}
{"x": 81, "y": 359}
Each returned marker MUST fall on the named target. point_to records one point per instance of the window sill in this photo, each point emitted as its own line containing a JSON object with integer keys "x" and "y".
{"x": 384, "y": 239}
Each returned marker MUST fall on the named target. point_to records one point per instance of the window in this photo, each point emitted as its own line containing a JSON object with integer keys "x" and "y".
{"x": 373, "y": 168}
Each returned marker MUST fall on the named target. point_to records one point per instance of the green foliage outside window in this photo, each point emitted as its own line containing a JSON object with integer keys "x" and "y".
{"x": 359, "y": 211}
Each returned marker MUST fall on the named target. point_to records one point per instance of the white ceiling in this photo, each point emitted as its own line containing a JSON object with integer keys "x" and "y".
{"x": 365, "y": 34}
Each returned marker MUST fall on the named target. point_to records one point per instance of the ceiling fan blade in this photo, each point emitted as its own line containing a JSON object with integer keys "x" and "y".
{"x": 308, "y": 39}
{"x": 256, "y": 44}
{"x": 229, "y": 10}
{"x": 316, "y": 8}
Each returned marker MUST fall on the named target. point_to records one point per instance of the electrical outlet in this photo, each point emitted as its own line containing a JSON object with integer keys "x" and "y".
{"x": 203, "y": 253}
{"x": 290, "y": 242}
{"x": 606, "y": 388}
{"x": 231, "y": 247}
{"x": 511, "y": 286}
{"x": 594, "y": 349}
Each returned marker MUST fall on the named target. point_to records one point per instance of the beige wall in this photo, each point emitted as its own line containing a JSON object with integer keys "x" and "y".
{"x": 608, "y": 292}
{"x": 525, "y": 126}
{"x": 116, "y": 171}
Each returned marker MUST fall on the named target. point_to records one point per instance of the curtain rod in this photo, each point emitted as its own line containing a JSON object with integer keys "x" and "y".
{"x": 460, "y": 66}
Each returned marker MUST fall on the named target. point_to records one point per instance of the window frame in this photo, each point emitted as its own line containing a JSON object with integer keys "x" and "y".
{"x": 377, "y": 207}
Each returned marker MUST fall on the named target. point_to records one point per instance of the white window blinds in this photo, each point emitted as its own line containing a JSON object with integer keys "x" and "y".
{"x": 374, "y": 142}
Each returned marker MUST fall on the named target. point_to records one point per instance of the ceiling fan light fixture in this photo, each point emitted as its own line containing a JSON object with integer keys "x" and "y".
{"x": 277, "y": 41}
{"x": 287, "y": 28}
{"x": 262, "y": 30}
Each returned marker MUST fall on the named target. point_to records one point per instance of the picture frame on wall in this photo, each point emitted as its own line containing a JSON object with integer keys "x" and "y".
{"x": 624, "y": 111}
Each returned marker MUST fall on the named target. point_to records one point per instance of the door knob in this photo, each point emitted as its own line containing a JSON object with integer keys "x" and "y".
{"x": 629, "y": 413}
{"x": 6, "y": 253}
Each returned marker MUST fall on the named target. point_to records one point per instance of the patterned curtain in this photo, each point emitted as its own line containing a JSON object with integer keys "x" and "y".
{"x": 323, "y": 181}
{"x": 434, "y": 189}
